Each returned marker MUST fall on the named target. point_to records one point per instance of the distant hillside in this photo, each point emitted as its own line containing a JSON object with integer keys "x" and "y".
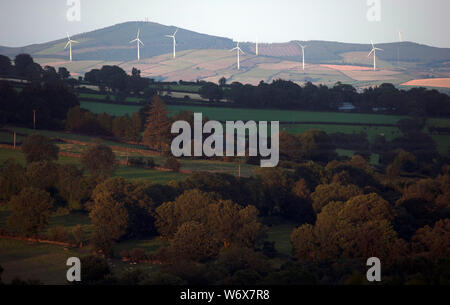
{"x": 325, "y": 51}
{"x": 208, "y": 58}
{"x": 112, "y": 44}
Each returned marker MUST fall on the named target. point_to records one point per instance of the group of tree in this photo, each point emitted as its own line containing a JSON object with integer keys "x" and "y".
{"x": 123, "y": 128}
{"x": 25, "y": 68}
{"x": 43, "y": 186}
{"x": 44, "y": 105}
{"x": 115, "y": 79}
{"x": 282, "y": 94}
{"x": 345, "y": 211}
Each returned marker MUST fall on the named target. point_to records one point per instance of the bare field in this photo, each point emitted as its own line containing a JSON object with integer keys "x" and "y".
{"x": 211, "y": 65}
{"x": 346, "y": 67}
{"x": 370, "y": 75}
{"x": 429, "y": 82}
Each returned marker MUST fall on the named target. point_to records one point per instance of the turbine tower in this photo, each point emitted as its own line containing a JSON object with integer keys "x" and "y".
{"x": 374, "y": 51}
{"x": 400, "y": 39}
{"x": 174, "y": 43}
{"x": 69, "y": 43}
{"x": 138, "y": 41}
{"x": 239, "y": 50}
{"x": 303, "y": 54}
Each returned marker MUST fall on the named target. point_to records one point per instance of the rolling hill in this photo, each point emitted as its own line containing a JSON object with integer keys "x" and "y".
{"x": 205, "y": 57}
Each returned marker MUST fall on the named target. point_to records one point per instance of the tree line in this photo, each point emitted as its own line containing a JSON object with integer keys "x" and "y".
{"x": 283, "y": 94}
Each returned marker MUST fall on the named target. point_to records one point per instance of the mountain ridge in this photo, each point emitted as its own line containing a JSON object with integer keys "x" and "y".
{"x": 112, "y": 43}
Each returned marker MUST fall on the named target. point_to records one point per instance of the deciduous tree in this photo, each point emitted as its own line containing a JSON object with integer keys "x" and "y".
{"x": 39, "y": 148}
{"x": 31, "y": 210}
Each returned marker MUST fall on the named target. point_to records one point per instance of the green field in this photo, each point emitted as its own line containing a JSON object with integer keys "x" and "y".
{"x": 103, "y": 97}
{"x": 111, "y": 109}
{"x": 47, "y": 263}
{"x": 389, "y": 132}
{"x": 224, "y": 114}
{"x": 245, "y": 114}
{"x": 281, "y": 235}
{"x": 131, "y": 173}
{"x": 181, "y": 88}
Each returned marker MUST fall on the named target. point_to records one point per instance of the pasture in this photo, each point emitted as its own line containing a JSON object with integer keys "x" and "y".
{"x": 297, "y": 117}
{"x": 103, "y": 97}
{"x": 131, "y": 173}
{"x": 47, "y": 263}
{"x": 246, "y": 114}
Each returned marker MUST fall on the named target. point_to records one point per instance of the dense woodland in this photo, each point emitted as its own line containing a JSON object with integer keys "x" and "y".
{"x": 215, "y": 225}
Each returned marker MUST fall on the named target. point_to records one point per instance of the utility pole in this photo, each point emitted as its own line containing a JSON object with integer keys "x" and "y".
{"x": 14, "y": 140}
{"x": 239, "y": 168}
{"x": 34, "y": 119}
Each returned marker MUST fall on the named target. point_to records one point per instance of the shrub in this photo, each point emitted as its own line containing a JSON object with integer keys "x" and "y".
{"x": 138, "y": 254}
{"x": 125, "y": 254}
{"x": 142, "y": 162}
{"x": 77, "y": 233}
{"x": 172, "y": 164}
{"x": 58, "y": 233}
{"x": 94, "y": 269}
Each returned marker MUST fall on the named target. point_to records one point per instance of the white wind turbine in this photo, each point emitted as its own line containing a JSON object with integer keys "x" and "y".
{"x": 69, "y": 43}
{"x": 138, "y": 41}
{"x": 400, "y": 39}
{"x": 239, "y": 50}
{"x": 374, "y": 51}
{"x": 303, "y": 54}
{"x": 174, "y": 43}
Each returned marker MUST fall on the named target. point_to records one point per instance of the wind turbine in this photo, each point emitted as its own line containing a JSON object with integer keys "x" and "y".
{"x": 303, "y": 54}
{"x": 174, "y": 43}
{"x": 138, "y": 41}
{"x": 239, "y": 50}
{"x": 257, "y": 50}
{"x": 69, "y": 43}
{"x": 400, "y": 39}
{"x": 374, "y": 51}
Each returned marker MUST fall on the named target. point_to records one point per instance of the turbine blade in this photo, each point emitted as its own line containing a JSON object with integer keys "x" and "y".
{"x": 67, "y": 45}
{"x": 133, "y": 40}
{"x": 141, "y": 42}
{"x": 68, "y": 37}
{"x": 75, "y": 41}
{"x": 373, "y": 50}
{"x": 175, "y": 32}
{"x": 372, "y": 44}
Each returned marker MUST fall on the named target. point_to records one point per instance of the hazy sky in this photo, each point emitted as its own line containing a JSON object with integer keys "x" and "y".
{"x": 24, "y": 22}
